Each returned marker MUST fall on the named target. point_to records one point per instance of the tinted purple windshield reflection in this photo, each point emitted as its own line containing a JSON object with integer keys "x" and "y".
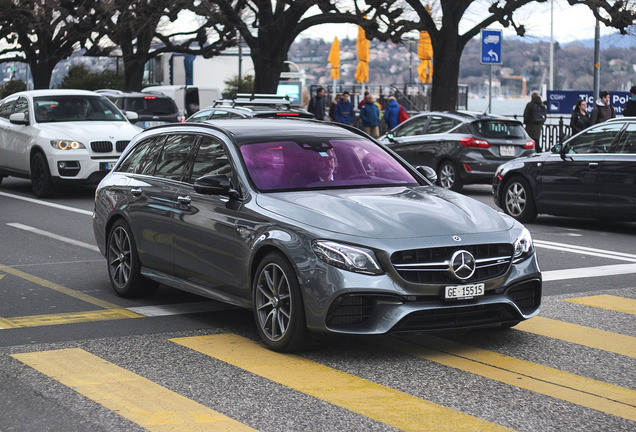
{"x": 308, "y": 164}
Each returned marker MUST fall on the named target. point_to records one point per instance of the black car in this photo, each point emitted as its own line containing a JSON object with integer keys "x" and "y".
{"x": 313, "y": 226}
{"x": 462, "y": 147}
{"x": 592, "y": 174}
{"x": 249, "y": 105}
{"x": 152, "y": 109}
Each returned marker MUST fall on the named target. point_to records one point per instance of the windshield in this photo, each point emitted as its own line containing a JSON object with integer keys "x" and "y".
{"x": 320, "y": 163}
{"x": 151, "y": 105}
{"x": 75, "y": 108}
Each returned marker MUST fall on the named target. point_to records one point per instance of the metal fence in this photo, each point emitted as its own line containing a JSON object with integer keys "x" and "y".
{"x": 555, "y": 130}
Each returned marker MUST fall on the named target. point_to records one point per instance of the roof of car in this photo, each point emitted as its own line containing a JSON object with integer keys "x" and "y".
{"x": 119, "y": 93}
{"x": 55, "y": 92}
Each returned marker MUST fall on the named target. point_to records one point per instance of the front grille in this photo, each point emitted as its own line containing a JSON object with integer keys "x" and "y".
{"x": 457, "y": 317}
{"x": 350, "y": 310}
{"x": 101, "y": 146}
{"x": 121, "y": 145}
{"x": 526, "y": 295}
{"x": 432, "y": 265}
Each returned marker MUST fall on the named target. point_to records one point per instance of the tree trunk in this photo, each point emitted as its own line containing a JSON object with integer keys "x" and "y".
{"x": 133, "y": 72}
{"x": 41, "y": 73}
{"x": 447, "y": 52}
{"x": 268, "y": 56}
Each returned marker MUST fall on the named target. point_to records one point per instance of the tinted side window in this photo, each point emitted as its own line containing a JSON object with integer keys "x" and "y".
{"x": 7, "y": 108}
{"x": 440, "y": 124}
{"x": 628, "y": 141}
{"x": 211, "y": 159}
{"x": 595, "y": 140}
{"x": 141, "y": 160}
{"x": 416, "y": 126}
{"x": 174, "y": 156}
{"x": 200, "y": 116}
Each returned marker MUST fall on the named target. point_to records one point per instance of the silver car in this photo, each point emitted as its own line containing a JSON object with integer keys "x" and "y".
{"x": 314, "y": 227}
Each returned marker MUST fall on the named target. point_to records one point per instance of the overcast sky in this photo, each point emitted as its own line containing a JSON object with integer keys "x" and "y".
{"x": 570, "y": 23}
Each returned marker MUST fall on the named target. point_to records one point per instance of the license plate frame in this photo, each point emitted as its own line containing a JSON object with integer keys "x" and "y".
{"x": 468, "y": 291}
{"x": 154, "y": 123}
{"x": 108, "y": 165}
{"x": 507, "y": 151}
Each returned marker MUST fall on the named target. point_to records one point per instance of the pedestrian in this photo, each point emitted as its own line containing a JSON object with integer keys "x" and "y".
{"x": 534, "y": 116}
{"x": 363, "y": 100}
{"x": 580, "y": 118}
{"x": 630, "y": 106}
{"x": 603, "y": 109}
{"x": 344, "y": 109}
{"x": 370, "y": 117}
{"x": 392, "y": 113}
{"x": 317, "y": 104}
{"x": 332, "y": 107}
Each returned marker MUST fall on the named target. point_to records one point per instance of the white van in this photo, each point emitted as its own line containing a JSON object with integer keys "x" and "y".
{"x": 189, "y": 99}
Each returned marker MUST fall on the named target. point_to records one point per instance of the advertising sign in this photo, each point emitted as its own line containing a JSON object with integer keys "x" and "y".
{"x": 564, "y": 101}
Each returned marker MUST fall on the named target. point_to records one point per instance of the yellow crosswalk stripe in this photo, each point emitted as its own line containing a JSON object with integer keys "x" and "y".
{"x": 587, "y": 392}
{"x": 133, "y": 397}
{"x": 69, "y": 318}
{"x": 581, "y": 335}
{"x": 375, "y": 401}
{"x": 615, "y": 303}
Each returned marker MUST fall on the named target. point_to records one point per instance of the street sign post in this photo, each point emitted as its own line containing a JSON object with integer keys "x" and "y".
{"x": 490, "y": 46}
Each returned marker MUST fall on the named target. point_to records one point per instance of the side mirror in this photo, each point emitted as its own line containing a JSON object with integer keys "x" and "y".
{"x": 19, "y": 118}
{"x": 132, "y": 116}
{"x": 213, "y": 185}
{"x": 390, "y": 137}
{"x": 428, "y": 173}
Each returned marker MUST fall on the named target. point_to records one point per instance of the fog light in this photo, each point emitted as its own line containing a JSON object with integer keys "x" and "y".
{"x": 61, "y": 165}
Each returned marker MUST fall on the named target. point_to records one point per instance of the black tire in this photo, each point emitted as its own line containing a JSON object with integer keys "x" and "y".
{"x": 41, "y": 181}
{"x": 124, "y": 267}
{"x": 517, "y": 200}
{"x": 448, "y": 176}
{"x": 278, "y": 305}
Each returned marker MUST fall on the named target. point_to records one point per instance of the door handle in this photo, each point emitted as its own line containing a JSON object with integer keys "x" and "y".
{"x": 185, "y": 200}
{"x": 593, "y": 165}
{"x": 136, "y": 192}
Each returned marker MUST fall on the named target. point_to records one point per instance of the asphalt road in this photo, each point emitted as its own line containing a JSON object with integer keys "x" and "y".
{"x": 75, "y": 357}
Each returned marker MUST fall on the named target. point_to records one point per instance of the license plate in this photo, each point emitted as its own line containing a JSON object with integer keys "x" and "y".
{"x": 507, "y": 150}
{"x": 154, "y": 123}
{"x": 108, "y": 165}
{"x": 464, "y": 291}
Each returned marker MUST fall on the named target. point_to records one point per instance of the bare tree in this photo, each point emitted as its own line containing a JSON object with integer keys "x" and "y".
{"x": 448, "y": 42}
{"x": 43, "y": 32}
{"x": 142, "y": 30}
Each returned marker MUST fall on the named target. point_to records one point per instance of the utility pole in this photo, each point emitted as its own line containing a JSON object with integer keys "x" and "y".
{"x": 597, "y": 61}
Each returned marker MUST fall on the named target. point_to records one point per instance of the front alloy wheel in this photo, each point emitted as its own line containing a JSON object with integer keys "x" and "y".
{"x": 278, "y": 306}
{"x": 518, "y": 201}
{"x": 448, "y": 176}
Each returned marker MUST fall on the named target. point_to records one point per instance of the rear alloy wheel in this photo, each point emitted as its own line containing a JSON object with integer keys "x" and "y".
{"x": 41, "y": 181}
{"x": 124, "y": 268}
{"x": 278, "y": 307}
{"x": 448, "y": 176}
{"x": 518, "y": 200}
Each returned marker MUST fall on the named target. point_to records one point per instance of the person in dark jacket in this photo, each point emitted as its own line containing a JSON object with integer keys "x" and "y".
{"x": 344, "y": 110}
{"x": 317, "y": 104}
{"x": 332, "y": 107}
{"x": 580, "y": 118}
{"x": 392, "y": 113}
{"x": 630, "y": 106}
{"x": 534, "y": 116}
{"x": 370, "y": 117}
{"x": 603, "y": 109}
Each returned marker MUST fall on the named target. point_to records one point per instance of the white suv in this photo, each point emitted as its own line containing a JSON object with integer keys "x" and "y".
{"x": 56, "y": 137}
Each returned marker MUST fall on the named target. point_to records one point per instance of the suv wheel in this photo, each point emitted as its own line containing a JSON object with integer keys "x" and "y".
{"x": 518, "y": 200}
{"x": 448, "y": 176}
{"x": 41, "y": 181}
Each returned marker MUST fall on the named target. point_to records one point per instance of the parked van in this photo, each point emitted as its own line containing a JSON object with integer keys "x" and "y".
{"x": 189, "y": 99}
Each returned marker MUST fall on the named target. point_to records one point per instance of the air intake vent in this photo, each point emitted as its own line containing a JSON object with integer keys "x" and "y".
{"x": 102, "y": 146}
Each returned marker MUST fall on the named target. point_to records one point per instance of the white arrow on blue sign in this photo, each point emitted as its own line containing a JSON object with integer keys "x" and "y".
{"x": 490, "y": 46}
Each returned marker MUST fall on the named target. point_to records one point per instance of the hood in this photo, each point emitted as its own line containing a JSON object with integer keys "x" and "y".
{"x": 87, "y": 131}
{"x": 389, "y": 213}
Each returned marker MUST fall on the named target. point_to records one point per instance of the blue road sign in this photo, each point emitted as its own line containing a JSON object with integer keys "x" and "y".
{"x": 490, "y": 46}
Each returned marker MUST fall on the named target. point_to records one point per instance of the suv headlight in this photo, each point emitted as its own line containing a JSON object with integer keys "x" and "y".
{"x": 523, "y": 246}
{"x": 67, "y": 145}
{"x": 352, "y": 258}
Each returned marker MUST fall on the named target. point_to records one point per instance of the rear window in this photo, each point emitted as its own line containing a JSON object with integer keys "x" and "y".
{"x": 498, "y": 129}
{"x": 151, "y": 105}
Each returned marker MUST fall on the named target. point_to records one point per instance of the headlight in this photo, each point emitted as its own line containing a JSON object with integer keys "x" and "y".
{"x": 67, "y": 145}
{"x": 355, "y": 259}
{"x": 523, "y": 246}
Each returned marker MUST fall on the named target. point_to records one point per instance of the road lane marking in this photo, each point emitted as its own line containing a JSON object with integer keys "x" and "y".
{"x": 587, "y": 272}
{"x": 586, "y": 392}
{"x": 358, "y": 395}
{"x": 54, "y": 236}
{"x": 606, "y": 301}
{"x": 69, "y": 318}
{"x": 564, "y": 247}
{"x": 580, "y": 335}
{"x": 48, "y": 204}
{"x": 133, "y": 397}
